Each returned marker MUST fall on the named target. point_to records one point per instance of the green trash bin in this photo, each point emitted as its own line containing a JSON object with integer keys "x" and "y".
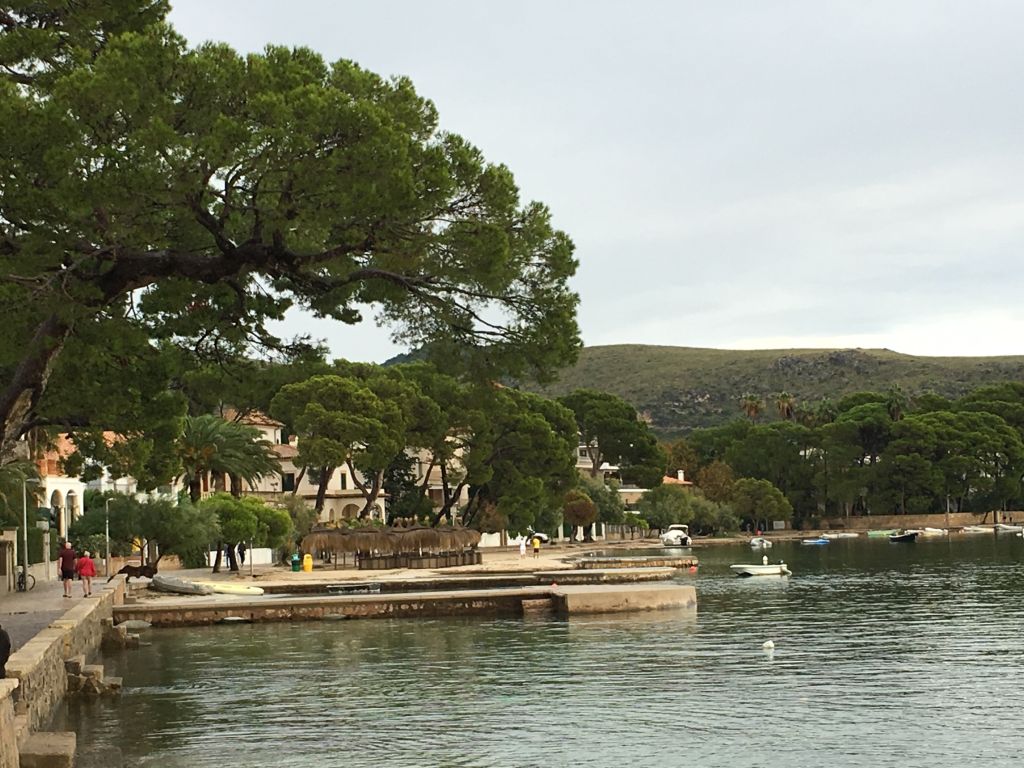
{"x": 296, "y": 562}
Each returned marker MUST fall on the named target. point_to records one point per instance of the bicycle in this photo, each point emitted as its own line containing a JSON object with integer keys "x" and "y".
{"x": 26, "y": 581}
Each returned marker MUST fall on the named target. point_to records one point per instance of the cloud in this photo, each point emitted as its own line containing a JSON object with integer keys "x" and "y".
{"x": 733, "y": 174}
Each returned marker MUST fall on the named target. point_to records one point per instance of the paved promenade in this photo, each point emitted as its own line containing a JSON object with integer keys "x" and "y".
{"x": 23, "y": 614}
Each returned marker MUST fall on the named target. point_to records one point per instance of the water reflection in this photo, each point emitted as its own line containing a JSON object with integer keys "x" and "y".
{"x": 884, "y": 654}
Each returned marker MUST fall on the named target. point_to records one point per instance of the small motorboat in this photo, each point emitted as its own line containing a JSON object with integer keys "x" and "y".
{"x": 760, "y": 542}
{"x": 764, "y": 569}
{"x": 814, "y": 542}
{"x": 178, "y": 586}
{"x": 977, "y": 529}
{"x": 904, "y": 537}
{"x": 840, "y": 535}
{"x": 934, "y": 531}
{"x": 1005, "y": 528}
{"x": 677, "y": 535}
{"x": 888, "y": 532}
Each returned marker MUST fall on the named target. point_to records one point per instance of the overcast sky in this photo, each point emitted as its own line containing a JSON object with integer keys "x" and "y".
{"x": 734, "y": 174}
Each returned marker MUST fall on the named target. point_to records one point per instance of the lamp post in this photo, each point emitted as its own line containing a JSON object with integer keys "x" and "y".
{"x": 106, "y": 507}
{"x": 25, "y": 482}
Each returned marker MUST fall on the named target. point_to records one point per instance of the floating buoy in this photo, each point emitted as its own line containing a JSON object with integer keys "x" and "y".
{"x": 768, "y": 645}
{"x": 693, "y": 569}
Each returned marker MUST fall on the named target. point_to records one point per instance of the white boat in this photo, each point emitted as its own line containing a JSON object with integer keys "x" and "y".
{"x": 227, "y": 588}
{"x": 977, "y": 529}
{"x": 760, "y": 542}
{"x": 934, "y": 531}
{"x": 677, "y": 535}
{"x": 1004, "y": 528}
{"x": 770, "y": 569}
{"x": 840, "y": 535}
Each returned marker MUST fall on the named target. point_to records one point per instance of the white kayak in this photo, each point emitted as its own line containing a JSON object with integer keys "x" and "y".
{"x": 1004, "y": 528}
{"x": 841, "y": 535}
{"x": 771, "y": 569}
{"x": 977, "y": 529}
{"x": 227, "y": 588}
{"x": 934, "y": 531}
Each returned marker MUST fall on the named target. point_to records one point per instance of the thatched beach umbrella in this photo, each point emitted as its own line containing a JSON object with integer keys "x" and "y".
{"x": 457, "y": 538}
{"x": 322, "y": 539}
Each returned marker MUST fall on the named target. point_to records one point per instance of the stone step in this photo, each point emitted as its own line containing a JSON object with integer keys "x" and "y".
{"x": 73, "y": 666}
{"x": 49, "y": 749}
{"x": 21, "y": 729}
{"x": 93, "y": 672}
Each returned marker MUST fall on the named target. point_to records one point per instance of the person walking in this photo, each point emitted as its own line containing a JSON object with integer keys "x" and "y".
{"x": 241, "y": 553}
{"x": 86, "y": 570}
{"x": 67, "y": 567}
{"x": 522, "y": 548}
{"x": 536, "y": 547}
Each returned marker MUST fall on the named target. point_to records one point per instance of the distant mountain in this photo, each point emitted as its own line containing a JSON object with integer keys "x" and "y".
{"x": 680, "y": 388}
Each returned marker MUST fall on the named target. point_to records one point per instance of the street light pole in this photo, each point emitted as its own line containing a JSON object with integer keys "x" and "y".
{"x": 24, "y": 521}
{"x": 106, "y": 506}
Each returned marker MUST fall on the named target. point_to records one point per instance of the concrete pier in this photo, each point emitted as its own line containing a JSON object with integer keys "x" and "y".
{"x": 515, "y": 601}
{"x": 658, "y": 561}
{"x": 608, "y": 599}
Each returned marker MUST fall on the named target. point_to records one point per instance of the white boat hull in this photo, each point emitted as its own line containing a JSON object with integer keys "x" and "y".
{"x": 1004, "y": 528}
{"x": 772, "y": 569}
{"x": 844, "y": 535}
{"x": 759, "y": 542}
{"x": 977, "y": 529}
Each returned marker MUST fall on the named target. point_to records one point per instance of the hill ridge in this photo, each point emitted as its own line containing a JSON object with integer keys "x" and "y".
{"x": 680, "y": 388}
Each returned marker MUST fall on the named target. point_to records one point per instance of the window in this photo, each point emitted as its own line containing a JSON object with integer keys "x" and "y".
{"x": 288, "y": 481}
{"x": 344, "y": 481}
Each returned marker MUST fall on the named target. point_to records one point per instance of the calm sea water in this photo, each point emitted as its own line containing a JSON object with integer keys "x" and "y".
{"x": 885, "y": 655}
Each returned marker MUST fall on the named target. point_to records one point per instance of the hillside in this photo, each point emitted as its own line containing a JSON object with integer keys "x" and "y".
{"x": 679, "y": 388}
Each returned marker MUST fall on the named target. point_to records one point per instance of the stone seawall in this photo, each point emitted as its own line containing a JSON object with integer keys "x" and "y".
{"x": 37, "y": 668}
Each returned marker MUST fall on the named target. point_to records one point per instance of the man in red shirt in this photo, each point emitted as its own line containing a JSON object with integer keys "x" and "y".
{"x": 67, "y": 567}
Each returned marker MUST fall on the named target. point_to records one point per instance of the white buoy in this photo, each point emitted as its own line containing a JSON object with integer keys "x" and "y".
{"x": 768, "y": 645}
{"x": 764, "y": 559}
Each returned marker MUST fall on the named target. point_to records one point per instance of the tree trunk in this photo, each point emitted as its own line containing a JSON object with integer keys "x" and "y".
{"x": 216, "y": 559}
{"x": 236, "y": 486}
{"x": 195, "y": 489}
{"x": 232, "y": 560}
{"x": 26, "y": 386}
{"x": 321, "y": 488}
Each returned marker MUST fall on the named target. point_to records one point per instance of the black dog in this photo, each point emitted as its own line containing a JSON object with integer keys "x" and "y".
{"x": 136, "y": 571}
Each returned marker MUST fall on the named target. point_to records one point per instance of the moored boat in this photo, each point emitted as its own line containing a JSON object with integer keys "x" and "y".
{"x": 887, "y": 532}
{"x": 1005, "y": 528}
{"x": 178, "y": 586}
{"x": 760, "y": 542}
{"x": 905, "y": 537}
{"x": 976, "y": 529}
{"x": 840, "y": 535}
{"x": 770, "y": 569}
{"x": 814, "y": 542}
{"x": 934, "y": 531}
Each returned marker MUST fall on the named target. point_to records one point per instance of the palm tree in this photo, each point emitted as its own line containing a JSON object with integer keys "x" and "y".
{"x": 896, "y": 402}
{"x": 752, "y": 406}
{"x": 209, "y": 445}
{"x": 12, "y": 478}
{"x": 786, "y": 405}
